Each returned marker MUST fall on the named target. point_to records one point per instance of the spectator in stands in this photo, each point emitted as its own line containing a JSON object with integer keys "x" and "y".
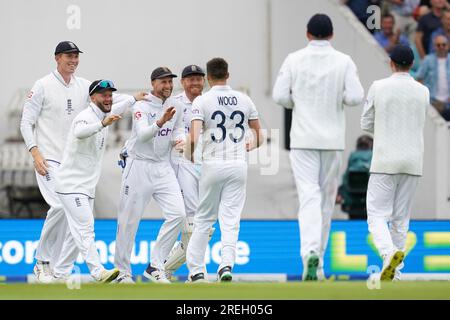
{"x": 359, "y": 8}
{"x": 443, "y": 31}
{"x": 434, "y": 72}
{"x": 387, "y": 38}
{"x": 402, "y": 10}
{"x": 427, "y": 24}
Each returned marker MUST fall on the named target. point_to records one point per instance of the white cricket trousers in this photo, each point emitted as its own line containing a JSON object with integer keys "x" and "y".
{"x": 316, "y": 175}
{"x": 81, "y": 238}
{"x": 55, "y": 225}
{"x": 222, "y": 195}
{"x": 389, "y": 202}
{"x": 188, "y": 176}
{"x": 141, "y": 180}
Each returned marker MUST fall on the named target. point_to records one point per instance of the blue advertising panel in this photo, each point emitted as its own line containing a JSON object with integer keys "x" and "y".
{"x": 263, "y": 247}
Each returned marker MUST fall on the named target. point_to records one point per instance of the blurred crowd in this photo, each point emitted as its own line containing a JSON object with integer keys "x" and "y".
{"x": 424, "y": 25}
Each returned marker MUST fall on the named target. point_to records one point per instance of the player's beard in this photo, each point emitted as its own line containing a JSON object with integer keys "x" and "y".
{"x": 104, "y": 108}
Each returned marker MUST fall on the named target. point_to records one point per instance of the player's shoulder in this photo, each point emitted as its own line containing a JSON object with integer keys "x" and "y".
{"x": 83, "y": 81}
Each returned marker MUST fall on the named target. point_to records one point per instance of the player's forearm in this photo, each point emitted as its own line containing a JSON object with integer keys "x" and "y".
{"x": 282, "y": 93}
{"x": 122, "y": 104}
{"x": 146, "y": 133}
{"x": 354, "y": 91}
{"x": 84, "y": 130}
{"x": 26, "y": 129}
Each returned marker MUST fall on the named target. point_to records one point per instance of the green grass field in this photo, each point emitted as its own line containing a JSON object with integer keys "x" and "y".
{"x": 259, "y": 291}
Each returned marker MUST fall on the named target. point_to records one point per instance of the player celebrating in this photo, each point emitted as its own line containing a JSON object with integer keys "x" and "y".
{"x": 316, "y": 82}
{"x": 395, "y": 112}
{"x": 225, "y": 116}
{"x": 77, "y": 177}
{"x": 52, "y": 104}
{"x": 187, "y": 172}
{"x": 157, "y": 126}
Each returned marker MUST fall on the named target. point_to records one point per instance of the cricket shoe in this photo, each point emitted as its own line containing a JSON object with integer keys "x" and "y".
{"x": 108, "y": 275}
{"x": 197, "y": 278}
{"x": 310, "y": 267}
{"x": 321, "y": 274}
{"x": 43, "y": 272}
{"x": 60, "y": 280}
{"x": 224, "y": 274}
{"x": 156, "y": 275}
{"x": 390, "y": 264}
{"x": 124, "y": 279}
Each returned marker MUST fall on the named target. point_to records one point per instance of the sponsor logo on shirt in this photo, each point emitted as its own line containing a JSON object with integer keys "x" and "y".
{"x": 164, "y": 132}
{"x": 152, "y": 115}
{"x": 30, "y": 94}
{"x": 137, "y": 115}
{"x": 195, "y": 111}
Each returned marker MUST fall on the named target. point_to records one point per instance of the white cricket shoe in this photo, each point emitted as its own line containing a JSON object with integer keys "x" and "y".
{"x": 124, "y": 279}
{"x": 321, "y": 274}
{"x": 43, "y": 272}
{"x": 390, "y": 264}
{"x": 108, "y": 275}
{"x": 156, "y": 275}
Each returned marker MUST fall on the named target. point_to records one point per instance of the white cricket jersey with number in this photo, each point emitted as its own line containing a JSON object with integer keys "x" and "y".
{"x": 148, "y": 141}
{"x": 395, "y": 113}
{"x": 186, "y": 105}
{"x": 225, "y": 114}
{"x": 81, "y": 164}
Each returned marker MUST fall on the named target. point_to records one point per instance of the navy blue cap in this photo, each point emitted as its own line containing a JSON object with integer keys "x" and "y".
{"x": 100, "y": 86}
{"x": 402, "y": 55}
{"x": 162, "y": 72}
{"x": 67, "y": 47}
{"x": 192, "y": 69}
{"x": 320, "y": 26}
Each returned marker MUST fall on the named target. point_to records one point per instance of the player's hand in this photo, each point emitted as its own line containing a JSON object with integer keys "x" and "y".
{"x": 178, "y": 145}
{"x": 140, "y": 95}
{"x": 110, "y": 120}
{"x": 167, "y": 116}
{"x": 40, "y": 164}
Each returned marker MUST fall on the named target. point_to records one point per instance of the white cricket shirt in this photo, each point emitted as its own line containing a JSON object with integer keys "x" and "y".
{"x": 148, "y": 141}
{"x": 316, "y": 82}
{"x": 395, "y": 112}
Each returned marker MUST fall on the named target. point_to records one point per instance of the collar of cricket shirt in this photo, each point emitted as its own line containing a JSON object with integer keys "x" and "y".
{"x": 401, "y": 75}
{"x": 221, "y": 87}
{"x": 154, "y": 99}
{"x": 60, "y": 78}
{"x": 184, "y": 98}
{"x": 99, "y": 113}
{"x": 319, "y": 43}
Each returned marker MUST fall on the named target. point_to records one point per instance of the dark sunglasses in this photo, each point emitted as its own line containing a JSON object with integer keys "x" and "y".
{"x": 103, "y": 84}
{"x": 441, "y": 44}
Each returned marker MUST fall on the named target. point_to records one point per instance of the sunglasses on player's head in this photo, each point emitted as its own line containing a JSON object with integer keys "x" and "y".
{"x": 103, "y": 84}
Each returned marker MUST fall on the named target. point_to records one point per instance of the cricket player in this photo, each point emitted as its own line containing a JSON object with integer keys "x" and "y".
{"x": 316, "y": 82}
{"x": 187, "y": 172}
{"x": 225, "y": 117}
{"x": 394, "y": 112}
{"x": 52, "y": 104}
{"x": 77, "y": 177}
{"x": 157, "y": 127}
